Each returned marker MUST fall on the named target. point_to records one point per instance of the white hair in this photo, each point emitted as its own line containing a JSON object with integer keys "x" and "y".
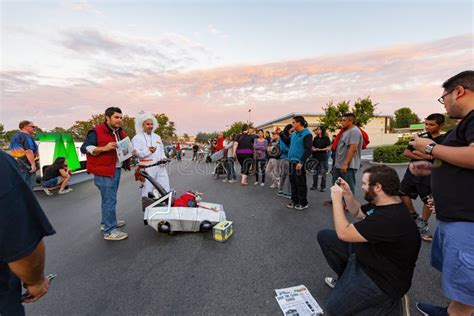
{"x": 142, "y": 117}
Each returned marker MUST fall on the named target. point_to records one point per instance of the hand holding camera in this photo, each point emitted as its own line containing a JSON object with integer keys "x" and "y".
{"x": 343, "y": 185}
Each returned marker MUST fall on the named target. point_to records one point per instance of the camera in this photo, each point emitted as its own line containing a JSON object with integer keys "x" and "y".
{"x": 424, "y": 135}
{"x": 339, "y": 181}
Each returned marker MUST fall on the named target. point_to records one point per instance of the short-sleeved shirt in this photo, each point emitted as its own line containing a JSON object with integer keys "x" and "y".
{"x": 454, "y": 202}
{"x": 23, "y": 223}
{"x": 52, "y": 172}
{"x": 352, "y": 136}
{"x": 22, "y": 141}
{"x": 245, "y": 142}
{"x": 392, "y": 249}
{"x": 321, "y": 143}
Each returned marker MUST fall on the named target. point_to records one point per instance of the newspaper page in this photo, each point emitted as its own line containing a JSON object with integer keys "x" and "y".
{"x": 124, "y": 149}
{"x": 288, "y": 296}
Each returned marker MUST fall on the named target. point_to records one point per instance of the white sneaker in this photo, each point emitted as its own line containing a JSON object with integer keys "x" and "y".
{"x": 273, "y": 186}
{"x": 262, "y": 184}
{"x": 65, "y": 191}
{"x": 225, "y": 180}
{"x": 115, "y": 234}
{"x": 47, "y": 191}
{"x": 331, "y": 282}
{"x": 256, "y": 183}
{"x": 232, "y": 181}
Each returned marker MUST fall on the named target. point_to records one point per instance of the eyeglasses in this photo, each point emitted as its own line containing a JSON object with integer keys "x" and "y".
{"x": 32, "y": 126}
{"x": 441, "y": 99}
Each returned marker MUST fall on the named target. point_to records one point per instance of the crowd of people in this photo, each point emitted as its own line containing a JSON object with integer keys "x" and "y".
{"x": 373, "y": 258}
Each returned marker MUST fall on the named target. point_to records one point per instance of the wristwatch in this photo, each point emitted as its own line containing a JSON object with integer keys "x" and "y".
{"x": 429, "y": 148}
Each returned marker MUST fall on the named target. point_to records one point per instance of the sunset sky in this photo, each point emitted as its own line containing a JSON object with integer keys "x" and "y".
{"x": 205, "y": 63}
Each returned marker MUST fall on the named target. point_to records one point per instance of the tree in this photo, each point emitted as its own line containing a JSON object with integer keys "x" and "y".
{"x": 363, "y": 110}
{"x": 58, "y": 130}
{"x": 165, "y": 129}
{"x": 449, "y": 123}
{"x": 9, "y": 134}
{"x": 404, "y": 117}
{"x": 202, "y": 137}
{"x": 333, "y": 114}
{"x": 236, "y": 128}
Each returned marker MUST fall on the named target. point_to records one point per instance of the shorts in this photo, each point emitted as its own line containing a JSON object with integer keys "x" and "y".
{"x": 51, "y": 183}
{"x": 413, "y": 187}
{"x": 452, "y": 253}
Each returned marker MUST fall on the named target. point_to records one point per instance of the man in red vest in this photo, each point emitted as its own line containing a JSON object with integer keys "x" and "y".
{"x": 102, "y": 161}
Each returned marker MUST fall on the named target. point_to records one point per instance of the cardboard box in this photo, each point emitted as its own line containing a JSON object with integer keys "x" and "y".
{"x": 222, "y": 231}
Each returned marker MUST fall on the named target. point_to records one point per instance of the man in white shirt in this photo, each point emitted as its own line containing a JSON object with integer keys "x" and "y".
{"x": 150, "y": 150}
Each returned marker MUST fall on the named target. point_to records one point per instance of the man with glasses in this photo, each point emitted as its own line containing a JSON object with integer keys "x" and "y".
{"x": 25, "y": 150}
{"x": 452, "y": 182}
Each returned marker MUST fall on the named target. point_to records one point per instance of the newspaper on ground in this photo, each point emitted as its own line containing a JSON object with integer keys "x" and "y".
{"x": 124, "y": 149}
{"x": 297, "y": 301}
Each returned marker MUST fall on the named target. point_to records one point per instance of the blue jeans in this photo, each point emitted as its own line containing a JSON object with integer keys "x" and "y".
{"x": 348, "y": 176}
{"x": 229, "y": 164}
{"x": 108, "y": 188}
{"x": 10, "y": 304}
{"x": 30, "y": 178}
{"x": 355, "y": 292}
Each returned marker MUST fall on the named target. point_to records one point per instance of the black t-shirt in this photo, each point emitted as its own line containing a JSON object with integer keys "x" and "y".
{"x": 320, "y": 142}
{"x": 22, "y": 222}
{"x": 245, "y": 141}
{"x": 52, "y": 172}
{"x": 195, "y": 148}
{"x": 425, "y": 180}
{"x": 391, "y": 252}
{"x": 452, "y": 186}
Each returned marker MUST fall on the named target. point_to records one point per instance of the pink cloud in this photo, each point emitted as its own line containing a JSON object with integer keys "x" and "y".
{"x": 206, "y": 100}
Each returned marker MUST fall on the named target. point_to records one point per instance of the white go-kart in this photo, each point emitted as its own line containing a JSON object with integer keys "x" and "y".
{"x": 165, "y": 218}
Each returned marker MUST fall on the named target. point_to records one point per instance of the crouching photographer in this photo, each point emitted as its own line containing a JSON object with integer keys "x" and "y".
{"x": 373, "y": 258}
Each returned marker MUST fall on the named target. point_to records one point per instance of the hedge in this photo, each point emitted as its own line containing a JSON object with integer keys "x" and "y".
{"x": 390, "y": 154}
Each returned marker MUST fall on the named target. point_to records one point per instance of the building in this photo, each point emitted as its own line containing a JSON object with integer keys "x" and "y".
{"x": 378, "y": 127}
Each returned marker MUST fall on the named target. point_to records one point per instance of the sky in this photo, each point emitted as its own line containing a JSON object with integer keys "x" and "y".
{"x": 206, "y": 63}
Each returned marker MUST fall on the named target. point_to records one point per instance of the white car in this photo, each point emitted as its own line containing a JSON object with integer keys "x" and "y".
{"x": 163, "y": 217}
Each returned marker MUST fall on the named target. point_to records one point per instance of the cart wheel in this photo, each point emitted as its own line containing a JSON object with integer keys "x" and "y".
{"x": 164, "y": 228}
{"x": 205, "y": 226}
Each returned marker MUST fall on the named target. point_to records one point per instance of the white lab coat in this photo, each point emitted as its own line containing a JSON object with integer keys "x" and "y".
{"x": 141, "y": 143}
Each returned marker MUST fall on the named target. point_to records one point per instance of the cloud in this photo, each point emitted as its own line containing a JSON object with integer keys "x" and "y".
{"x": 216, "y": 32}
{"x": 82, "y": 6}
{"x": 113, "y": 55}
{"x": 209, "y": 99}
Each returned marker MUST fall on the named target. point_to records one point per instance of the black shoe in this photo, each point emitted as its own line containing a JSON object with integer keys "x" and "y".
{"x": 313, "y": 188}
{"x": 322, "y": 190}
{"x": 300, "y": 207}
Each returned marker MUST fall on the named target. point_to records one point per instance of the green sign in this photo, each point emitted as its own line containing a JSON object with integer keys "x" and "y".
{"x": 417, "y": 126}
{"x": 67, "y": 151}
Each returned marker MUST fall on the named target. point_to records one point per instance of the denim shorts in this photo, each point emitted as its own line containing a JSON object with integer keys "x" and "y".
{"x": 452, "y": 253}
{"x": 51, "y": 183}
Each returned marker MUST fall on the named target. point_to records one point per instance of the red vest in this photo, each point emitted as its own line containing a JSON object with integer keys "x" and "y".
{"x": 104, "y": 164}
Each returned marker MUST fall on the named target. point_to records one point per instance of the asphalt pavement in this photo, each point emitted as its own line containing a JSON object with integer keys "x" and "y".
{"x": 152, "y": 273}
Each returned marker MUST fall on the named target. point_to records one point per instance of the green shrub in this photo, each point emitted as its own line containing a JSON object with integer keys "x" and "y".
{"x": 403, "y": 141}
{"x": 390, "y": 154}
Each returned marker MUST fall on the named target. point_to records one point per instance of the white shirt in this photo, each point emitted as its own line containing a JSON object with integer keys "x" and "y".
{"x": 142, "y": 142}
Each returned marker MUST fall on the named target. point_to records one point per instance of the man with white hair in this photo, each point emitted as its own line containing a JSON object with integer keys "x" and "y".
{"x": 149, "y": 151}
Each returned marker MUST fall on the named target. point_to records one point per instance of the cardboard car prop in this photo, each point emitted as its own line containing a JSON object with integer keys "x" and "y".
{"x": 162, "y": 214}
